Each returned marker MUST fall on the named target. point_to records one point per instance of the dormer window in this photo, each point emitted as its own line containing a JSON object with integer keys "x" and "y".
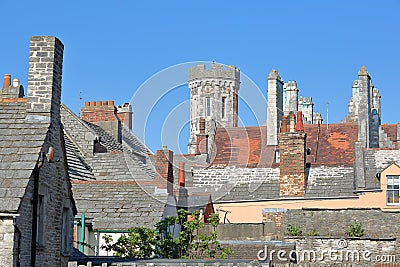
{"x": 393, "y": 190}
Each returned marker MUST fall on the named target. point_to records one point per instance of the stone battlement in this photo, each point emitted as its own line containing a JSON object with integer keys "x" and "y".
{"x": 216, "y": 71}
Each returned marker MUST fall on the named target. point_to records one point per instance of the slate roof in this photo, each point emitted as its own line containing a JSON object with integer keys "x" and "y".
{"x": 21, "y": 139}
{"x": 116, "y": 188}
{"x": 246, "y": 146}
{"x": 118, "y": 205}
{"x": 391, "y": 131}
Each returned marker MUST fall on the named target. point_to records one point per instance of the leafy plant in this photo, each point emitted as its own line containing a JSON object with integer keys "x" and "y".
{"x": 139, "y": 243}
{"x": 355, "y": 230}
{"x": 174, "y": 237}
{"x": 293, "y": 230}
{"x": 313, "y": 233}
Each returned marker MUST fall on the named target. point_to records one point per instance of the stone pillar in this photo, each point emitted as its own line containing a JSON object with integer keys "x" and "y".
{"x": 364, "y": 109}
{"x": 291, "y": 91}
{"x": 164, "y": 168}
{"x": 275, "y": 107}
{"x": 45, "y": 76}
{"x": 292, "y": 147}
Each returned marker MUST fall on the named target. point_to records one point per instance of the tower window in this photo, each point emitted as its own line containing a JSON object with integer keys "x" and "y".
{"x": 208, "y": 106}
{"x": 223, "y": 102}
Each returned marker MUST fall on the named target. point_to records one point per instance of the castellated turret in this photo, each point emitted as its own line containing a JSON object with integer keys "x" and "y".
{"x": 213, "y": 101}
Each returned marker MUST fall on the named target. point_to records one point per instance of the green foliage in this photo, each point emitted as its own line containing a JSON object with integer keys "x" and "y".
{"x": 293, "y": 230}
{"x": 313, "y": 233}
{"x": 355, "y": 230}
{"x": 168, "y": 242}
{"x": 139, "y": 243}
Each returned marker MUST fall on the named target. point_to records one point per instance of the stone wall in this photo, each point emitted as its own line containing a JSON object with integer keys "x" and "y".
{"x": 6, "y": 241}
{"x": 218, "y": 178}
{"x": 376, "y": 223}
{"x": 326, "y": 251}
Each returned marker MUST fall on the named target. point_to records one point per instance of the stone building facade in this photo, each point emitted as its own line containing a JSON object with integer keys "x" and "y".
{"x": 37, "y": 211}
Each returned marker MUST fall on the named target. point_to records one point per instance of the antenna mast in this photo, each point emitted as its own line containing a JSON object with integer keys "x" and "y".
{"x": 327, "y": 115}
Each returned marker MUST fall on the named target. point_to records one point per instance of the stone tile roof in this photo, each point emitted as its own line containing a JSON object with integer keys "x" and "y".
{"x": 119, "y": 205}
{"x": 133, "y": 143}
{"x": 391, "y": 131}
{"x": 105, "y": 139}
{"x": 21, "y": 139}
{"x": 246, "y": 146}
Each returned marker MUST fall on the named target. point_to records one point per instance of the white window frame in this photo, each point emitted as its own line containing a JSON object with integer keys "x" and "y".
{"x": 393, "y": 190}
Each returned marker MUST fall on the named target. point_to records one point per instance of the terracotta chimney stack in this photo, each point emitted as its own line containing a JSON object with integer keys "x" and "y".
{"x": 181, "y": 174}
{"x": 284, "y": 124}
{"x": 7, "y": 80}
{"x": 299, "y": 123}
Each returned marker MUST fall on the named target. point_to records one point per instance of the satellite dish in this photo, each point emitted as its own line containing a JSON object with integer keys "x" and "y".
{"x": 50, "y": 154}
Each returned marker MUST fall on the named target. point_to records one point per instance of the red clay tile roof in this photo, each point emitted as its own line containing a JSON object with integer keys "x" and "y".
{"x": 246, "y": 146}
{"x": 391, "y": 131}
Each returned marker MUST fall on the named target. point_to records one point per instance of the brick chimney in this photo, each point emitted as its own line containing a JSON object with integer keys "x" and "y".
{"x": 292, "y": 146}
{"x": 124, "y": 114}
{"x": 164, "y": 168}
{"x": 182, "y": 190}
{"x": 202, "y": 138}
{"x": 103, "y": 114}
{"x": 45, "y": 76}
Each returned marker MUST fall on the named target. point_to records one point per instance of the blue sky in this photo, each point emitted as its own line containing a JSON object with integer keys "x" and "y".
{"x": 113, "y": 47}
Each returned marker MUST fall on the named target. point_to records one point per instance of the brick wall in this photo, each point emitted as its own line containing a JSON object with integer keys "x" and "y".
{"x": 292, "y": 165}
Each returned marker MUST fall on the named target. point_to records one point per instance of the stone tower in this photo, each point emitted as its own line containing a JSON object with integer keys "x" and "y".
{"x": 306, "y": 106}
{"x": 290, "y": 97}
{"x": 365, "y": 109}
{"x": 213, "y": 101}
{"x": 275, "y": 107}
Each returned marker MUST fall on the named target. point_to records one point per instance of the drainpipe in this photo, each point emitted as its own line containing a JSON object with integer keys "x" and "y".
{"x": 82, "y": 236}
{"x": 35, "y": 201}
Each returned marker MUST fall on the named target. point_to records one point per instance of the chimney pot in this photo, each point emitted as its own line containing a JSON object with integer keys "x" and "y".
{"x": 99, "y": 103}
{"x": 87, "y": 104}
{"x": 299, "y": 123}
{"x": 15, "y": 82}
{"x": 7, "y": 80}
{"x": 284, "y": 124}
{"x": 105, "y": 103}
{"x": 111, "y": 102}
{"x": 93, "y": 104}
{"x": 181, "y": 174}
{"x": 126, "y": 105}
{"x": 292, "y": 124}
